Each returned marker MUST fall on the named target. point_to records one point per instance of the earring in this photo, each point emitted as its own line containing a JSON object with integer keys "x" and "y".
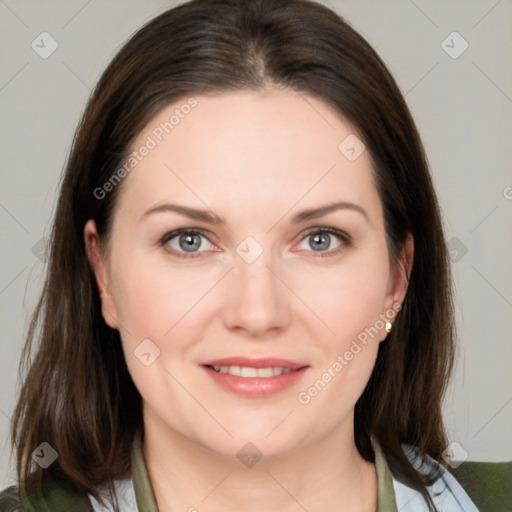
{"x": 389, "y": 325}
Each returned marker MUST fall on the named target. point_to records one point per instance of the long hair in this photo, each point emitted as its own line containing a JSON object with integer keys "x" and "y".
{"x": 77, "y": 394}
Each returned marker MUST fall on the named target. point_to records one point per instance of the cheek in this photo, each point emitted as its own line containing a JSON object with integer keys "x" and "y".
{"x": 151, "y": 298}
{"x": 347, "y": 299}
{"x": 156, "y": 302}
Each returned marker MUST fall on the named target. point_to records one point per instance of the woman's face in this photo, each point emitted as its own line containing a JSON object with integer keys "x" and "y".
{"x": 249, "y": 234}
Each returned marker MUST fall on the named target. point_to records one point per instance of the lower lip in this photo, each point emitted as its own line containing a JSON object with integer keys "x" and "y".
{"x": 256, "y": 386}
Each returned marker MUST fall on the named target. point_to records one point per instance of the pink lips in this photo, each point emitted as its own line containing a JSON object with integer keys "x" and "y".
{"x": 255, "y": 386}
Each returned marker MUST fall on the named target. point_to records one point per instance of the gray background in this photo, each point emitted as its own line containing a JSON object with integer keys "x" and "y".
{"x": 463, "y": 108}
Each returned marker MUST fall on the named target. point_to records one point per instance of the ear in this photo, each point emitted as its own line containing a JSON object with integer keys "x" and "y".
{"x": 403, "y": 271}
{"x": 399, "y": 280}
{"x": 99, "y": 267}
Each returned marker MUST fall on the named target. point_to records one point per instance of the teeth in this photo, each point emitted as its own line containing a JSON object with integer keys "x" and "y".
{"x": 265, "y": 372}
{"x": 246, "y": 371}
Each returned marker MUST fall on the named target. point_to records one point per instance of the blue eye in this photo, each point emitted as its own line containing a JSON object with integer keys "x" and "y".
{"x": 322, "y": 240}
{"x": 190, "y": 242}
{"x": 187, "y": 241}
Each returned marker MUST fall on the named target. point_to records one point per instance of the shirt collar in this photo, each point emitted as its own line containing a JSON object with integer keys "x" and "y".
{"x": 141, "y": 485}
{"x": 146, "y": 499}
{"x": 386, "y": 492}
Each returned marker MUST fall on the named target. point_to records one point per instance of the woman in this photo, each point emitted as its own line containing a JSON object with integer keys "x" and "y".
{"x": 248, "y": 298}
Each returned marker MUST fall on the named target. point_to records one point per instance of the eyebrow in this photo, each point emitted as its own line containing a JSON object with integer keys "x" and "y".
{"x": 211, "y": 218}
{"x": 191, "y": 213}
{"x": 315, "y": 213}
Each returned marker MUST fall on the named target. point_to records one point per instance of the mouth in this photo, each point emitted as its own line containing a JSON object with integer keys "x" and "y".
{"x": 255, "y": 377}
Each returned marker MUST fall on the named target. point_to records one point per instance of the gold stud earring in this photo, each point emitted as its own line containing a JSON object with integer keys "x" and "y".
{"x": 389, "y": 325}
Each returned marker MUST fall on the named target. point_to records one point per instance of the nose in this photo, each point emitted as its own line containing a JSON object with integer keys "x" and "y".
{"x": 256, "y": 302}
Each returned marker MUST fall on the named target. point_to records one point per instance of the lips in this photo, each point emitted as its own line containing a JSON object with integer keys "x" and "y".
{"x": 254, "y": 377}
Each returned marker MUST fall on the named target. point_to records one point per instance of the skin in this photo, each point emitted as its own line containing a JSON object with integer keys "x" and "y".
{"x": 255, "y": 159}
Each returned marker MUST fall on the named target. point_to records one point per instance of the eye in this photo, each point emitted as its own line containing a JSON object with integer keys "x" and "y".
{"x": 190, "y": 242}
{"x": 324, "y": 240}
{"x": 187, "y": 242}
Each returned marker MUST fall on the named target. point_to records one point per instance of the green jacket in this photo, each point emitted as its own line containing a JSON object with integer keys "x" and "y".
{"x": 489, "y": 485}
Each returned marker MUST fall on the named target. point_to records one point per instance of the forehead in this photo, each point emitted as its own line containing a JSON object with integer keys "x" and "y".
{"x": 272, "y": 149}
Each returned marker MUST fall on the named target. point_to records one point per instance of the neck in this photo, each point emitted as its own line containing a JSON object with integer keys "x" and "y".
{"x": 327, "y": 475}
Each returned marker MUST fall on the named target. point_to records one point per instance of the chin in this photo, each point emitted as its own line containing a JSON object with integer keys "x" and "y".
{"x": 255, "y": 441}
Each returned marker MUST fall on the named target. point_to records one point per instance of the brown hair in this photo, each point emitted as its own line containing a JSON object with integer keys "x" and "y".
{"x": 78, "y": 395}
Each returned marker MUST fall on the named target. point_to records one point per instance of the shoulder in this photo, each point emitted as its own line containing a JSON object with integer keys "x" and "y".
{"x": 55, "y": 497}
{"x": 488, "y": 484}
{"x": 470, "y": 486}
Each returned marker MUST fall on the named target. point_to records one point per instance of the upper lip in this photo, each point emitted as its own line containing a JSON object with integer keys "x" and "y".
{"x": 264, "y": 362}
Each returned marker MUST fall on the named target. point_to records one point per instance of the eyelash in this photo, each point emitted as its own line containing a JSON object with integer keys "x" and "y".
{"x": 343, "y": 237}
